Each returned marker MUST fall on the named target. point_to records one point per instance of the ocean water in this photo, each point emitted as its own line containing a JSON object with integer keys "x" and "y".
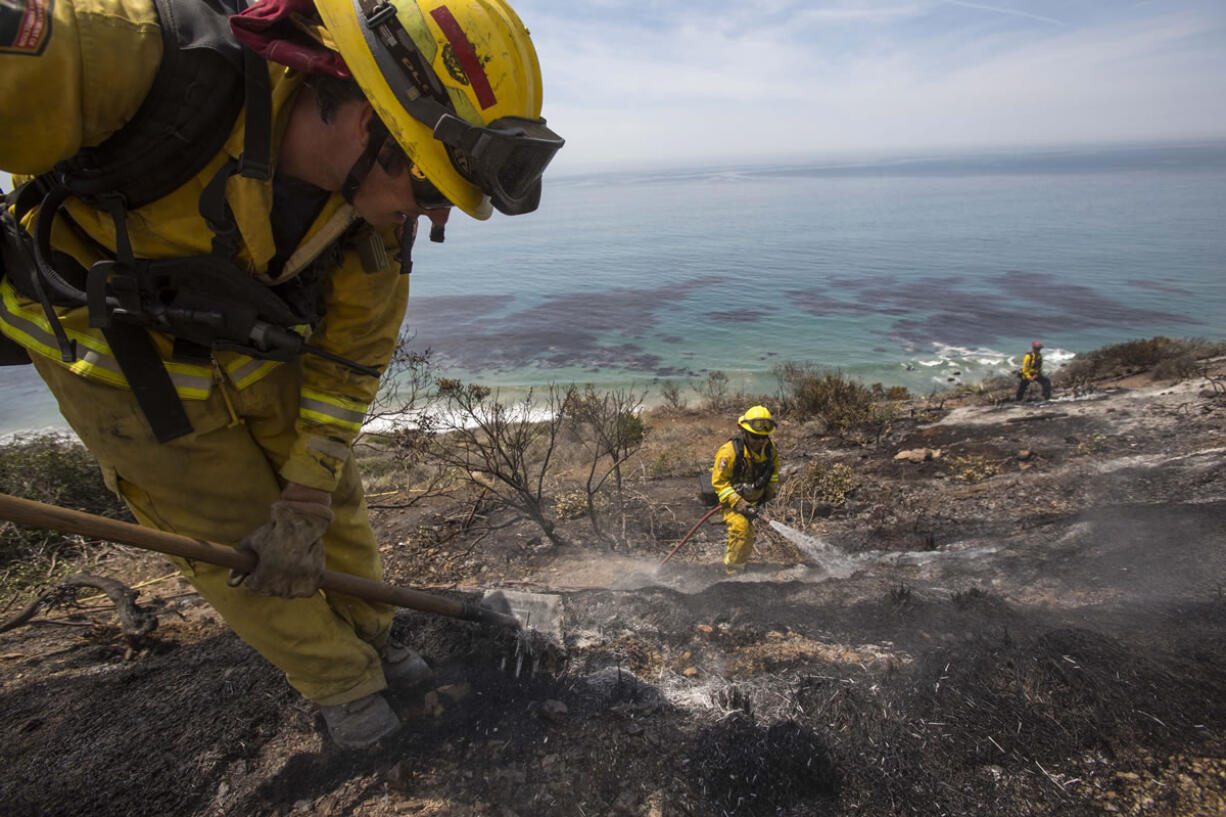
{"x": 918, "y": 272}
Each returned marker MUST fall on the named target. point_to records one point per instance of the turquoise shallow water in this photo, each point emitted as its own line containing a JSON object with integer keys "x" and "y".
{"x": 901, "y": 272}
{"x": 921, "y": 273}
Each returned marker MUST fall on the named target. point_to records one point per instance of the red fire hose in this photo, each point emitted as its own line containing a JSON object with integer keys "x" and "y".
{"x": 705, "y": 517}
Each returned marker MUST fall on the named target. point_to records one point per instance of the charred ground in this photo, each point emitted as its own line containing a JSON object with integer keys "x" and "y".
{"x": 1024, "y": 616}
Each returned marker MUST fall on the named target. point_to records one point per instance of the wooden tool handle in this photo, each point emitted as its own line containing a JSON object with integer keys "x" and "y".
{"x": 41, "y": 515}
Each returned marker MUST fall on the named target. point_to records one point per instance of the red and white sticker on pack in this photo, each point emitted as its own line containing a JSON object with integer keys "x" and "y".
{"x": 25, "y": 26}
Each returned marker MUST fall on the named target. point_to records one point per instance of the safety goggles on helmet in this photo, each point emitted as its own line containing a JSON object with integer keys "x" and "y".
{"x": 759, "y": 425}
{"x": 505, "y": 159}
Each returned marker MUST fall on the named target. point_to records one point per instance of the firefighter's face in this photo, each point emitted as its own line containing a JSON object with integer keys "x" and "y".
{"x": 386, "y": 199}
{"x": 386, "y": 196}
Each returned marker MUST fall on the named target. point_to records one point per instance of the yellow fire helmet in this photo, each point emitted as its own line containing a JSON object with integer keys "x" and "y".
{"x": 757, "y": 420}
{"x": 458, "y": 84}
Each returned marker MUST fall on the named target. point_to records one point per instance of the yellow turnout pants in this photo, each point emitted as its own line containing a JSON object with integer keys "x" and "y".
{"x": 740, "y": 540}
{"x": 217, "y": 484}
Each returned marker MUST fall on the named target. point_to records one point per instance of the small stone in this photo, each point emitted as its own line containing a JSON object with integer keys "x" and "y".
{"x": 400, "y": 776}
{"x": 690, "y": 672}
{"x": 455, "y": 692}
{"x": 432, "y": 705}
{"x": 626, "y": 802}
{"x": 705, "y": 629}
{"x": 553, "y": 710}
{"x": 1025, "y": 454}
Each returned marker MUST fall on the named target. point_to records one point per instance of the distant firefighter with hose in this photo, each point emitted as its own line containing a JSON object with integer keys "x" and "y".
{"x": 745, "y": 477}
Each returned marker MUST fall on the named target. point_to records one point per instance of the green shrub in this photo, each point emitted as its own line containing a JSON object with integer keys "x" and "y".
{"x": 1180, "y": 367}
{"x": 1166, "y": 357}
{"x": 842, "y": 403}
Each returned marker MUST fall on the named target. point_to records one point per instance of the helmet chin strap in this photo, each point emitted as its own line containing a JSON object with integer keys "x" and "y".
{"x": 361, "y": 167}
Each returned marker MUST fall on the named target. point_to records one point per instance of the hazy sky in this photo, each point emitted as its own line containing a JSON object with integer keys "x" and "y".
{"x": 630, "y": 81}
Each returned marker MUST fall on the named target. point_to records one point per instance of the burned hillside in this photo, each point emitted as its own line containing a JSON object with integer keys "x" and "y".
{"x": 994, "y": 608}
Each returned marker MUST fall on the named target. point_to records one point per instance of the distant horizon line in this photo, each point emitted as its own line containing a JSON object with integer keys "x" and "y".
{"x": 865, "y": 161}
{"x": 879, "y": 158}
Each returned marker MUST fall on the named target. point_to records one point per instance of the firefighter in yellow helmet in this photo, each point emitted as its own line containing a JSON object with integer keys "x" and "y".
{"x": 745, "y": 476}
{"x": 206, "y": 260}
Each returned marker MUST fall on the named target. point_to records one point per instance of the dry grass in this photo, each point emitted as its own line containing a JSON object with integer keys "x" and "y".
{"x": 58, "y": 471}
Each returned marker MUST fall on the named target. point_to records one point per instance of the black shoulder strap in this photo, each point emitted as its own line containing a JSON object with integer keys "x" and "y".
{"x": 185, "y": 118}
{"x": 738, "y": 463}
{"x": 203, "y": 82}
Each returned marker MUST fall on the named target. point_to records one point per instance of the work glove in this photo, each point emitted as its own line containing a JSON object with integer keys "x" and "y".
{"x": 289, "y": 546}
{"x": 745, "y": 509}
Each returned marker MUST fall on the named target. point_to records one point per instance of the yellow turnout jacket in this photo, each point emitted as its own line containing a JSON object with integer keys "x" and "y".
{"x": 722, "y": 474}
{"x": 1032, "y": 365}
{"x": 75, "y": 78}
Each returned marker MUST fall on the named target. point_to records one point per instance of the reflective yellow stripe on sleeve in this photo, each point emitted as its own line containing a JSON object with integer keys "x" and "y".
{"x": 727, "y": 492}
{"x": 329, "y": 409}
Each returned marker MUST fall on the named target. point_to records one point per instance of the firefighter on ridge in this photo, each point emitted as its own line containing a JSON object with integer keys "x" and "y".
{"x": 1032, "y": 372}
{"x": 745, "y": 477}
{"x": 206, "y": 261}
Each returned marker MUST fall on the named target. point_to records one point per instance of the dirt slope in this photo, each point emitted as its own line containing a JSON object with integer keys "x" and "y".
{"x": 1031, "y": 622}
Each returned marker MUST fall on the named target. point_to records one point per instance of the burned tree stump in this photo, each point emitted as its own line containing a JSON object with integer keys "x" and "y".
{"x": 134, "y": 620}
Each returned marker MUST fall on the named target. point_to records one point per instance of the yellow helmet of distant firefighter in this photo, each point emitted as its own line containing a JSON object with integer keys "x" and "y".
{"x": 757, "y": 420}
{"x": 458, "y": 85}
